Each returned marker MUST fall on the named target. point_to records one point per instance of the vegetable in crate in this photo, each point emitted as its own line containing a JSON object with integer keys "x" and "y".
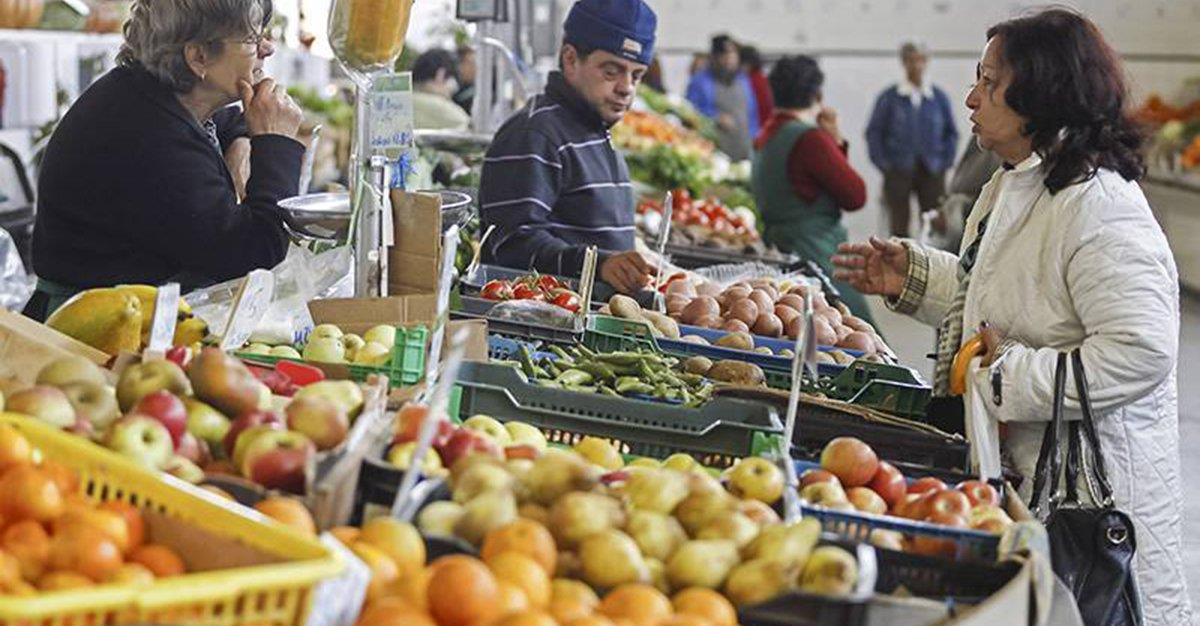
{"x": 539, "y": 287}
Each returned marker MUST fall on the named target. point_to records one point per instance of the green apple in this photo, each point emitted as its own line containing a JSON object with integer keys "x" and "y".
{"x": 330, "y": 331}
{"x": 286, "y": 352}
{"x": 46, "y": 403}
{"x": 70, "y": 369}
{"x": 345, "y": 393}
{"x": 95, "y": 403}
{"x": 266, "y": 400}
{"x": 681, "y": 461}
{"x": 257, "y": 348}
{"x": 400, "y": 456}
{"x": 490, "y": 428}
{"x": 206, "y": 423}
{"x": 352, "y": 343}
{"x": 757, "y": 478}
{"x": 141, "y": 379}
{"x": 523, "y": 434}
{"x": 382, "y": 334}
{"x": 374, "y": 354}
{"x": 247, "y": 437}
{"x": 325, "y": 350}
{"x": 142, "y": 439}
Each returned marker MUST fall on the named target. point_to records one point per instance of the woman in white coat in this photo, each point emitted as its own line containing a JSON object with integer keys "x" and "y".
{"x": 1061, "y": 251}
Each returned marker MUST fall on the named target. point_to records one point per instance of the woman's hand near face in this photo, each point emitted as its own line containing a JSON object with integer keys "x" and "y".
{"x": 877, "y": 267}
{"x": 827, "y": 119}
{"x": 269, "y": 110}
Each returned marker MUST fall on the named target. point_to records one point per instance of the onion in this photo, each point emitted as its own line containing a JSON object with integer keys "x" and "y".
{"x": 786, "y": 314}
{"x": 707, "y": 288}
{"x": 683, "y": 287}
{"x": 768, "y": 325}
{"x": 709, "y": 321}
{"x": 763, "y": 299}
{"x": 824, "y": 332}
{"x": 699, "y": 307}
{"x": 792, "y": 300}
{"x": 744, "y": 310}
{"x": 858, "y": 341}
{"x": 735, "y": 326}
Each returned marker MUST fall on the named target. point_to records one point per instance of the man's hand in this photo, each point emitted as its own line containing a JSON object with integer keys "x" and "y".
{"x": 269, "y": 110}
{"x": 827, "y": 119}
{"x": 628, "y": 272}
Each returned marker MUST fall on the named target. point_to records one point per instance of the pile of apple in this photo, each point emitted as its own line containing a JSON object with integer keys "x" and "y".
{"x": 477, "y": 434}
{"x": 646, "y": 523}
{"x": 328, "y": 344}
{"x": 215, "y": 416}
{"x": 852, "y": 478}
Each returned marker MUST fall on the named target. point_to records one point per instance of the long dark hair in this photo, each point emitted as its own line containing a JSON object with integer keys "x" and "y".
{"x": 1068, "y": 83}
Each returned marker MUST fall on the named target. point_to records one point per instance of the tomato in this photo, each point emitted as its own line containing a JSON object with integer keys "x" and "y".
{"x": 681, "y": 197}
{"x": 547, "y": 283}
{"x": 567, "y": 300}
{"x": 526, "y": 292}
{"x": 497, "y": 290}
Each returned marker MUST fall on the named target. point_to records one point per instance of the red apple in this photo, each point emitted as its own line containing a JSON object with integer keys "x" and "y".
{"x": 408, "y": 425}
{"x": 931, "y": 546}
{"x": 851, "y": 460}
{"x": 950, "y": 502}
{"x": 167, "y": 408}
{"x": 465, "y": 441}
{"x": 248, "y": 419}
{"x": 192, "y": 449}
{"x": 814, "y": 475}
{"x": 278, "y": 460}
{"x": 522, "y": 451}
{"x": 866, "y": 500}
{"x": 614, "y": 477}
{"x": 179, "y": 355}
{"x": 889, "y": 483}
{"x": 913, "y": 506}
{"x": 928, "y": 483}
{"x": 979, "y": 492}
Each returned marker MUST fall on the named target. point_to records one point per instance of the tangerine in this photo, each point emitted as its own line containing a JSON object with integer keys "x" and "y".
{"x": 590, "y": 620}
{"x": 132, "y": 574}
{"x": 289, "y": 512}
{"x": 512, "y": 599}
{"x": 393, "y": 615}
{"x": 399, "y": 540}
{"x": 685, "y": 619}
{"x": 10, "y": 567}
{"x": 159, "y": 559}
{"x": 85, "y": 550}
{"x": 135, "y": 524}
{"x": 27, "y": 492}
{"x": 412, "y": 587}
{"x": 526, "y": 618}
{"x": 571, "y": 599}
{"x": 110, "y": 523}
{"x": 524, "y": 572}
{"x": 345, "y": 534}
{"x": 705, "y": 603}
{"x": 462, "y": 591}
{"x": 15, "y": 449}
{"x": 637, "y": 602}
{"x": 383, "y": 568}
{"x": 525, "y": 536}
{"x": 59, "y": 581}
{"x": 28, "y": 542}
{"x": 66, "y": 478}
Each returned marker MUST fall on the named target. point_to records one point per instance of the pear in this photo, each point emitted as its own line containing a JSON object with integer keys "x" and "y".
{"x": 759, "y": 580}
{"x": 491, "y": 509}
{"x": 439, "y": 518}
{"x": 610, "y": 558}
{"x": 790, "y": 543}
{"x": 735, "y": 527}
{"x": 702, "y": 563}
{"x": 556, "y": 473}
{"x": 656, "y": 534}
{"x": 579, "y": 514}
{"x": 829, "y": 571}
{"x": 535, "y": 512}
{"x": 703, "y": 506}
{"x": 656, "y": 490}
{"x": 658, "y": 575}
{"x": 480, "y": 478}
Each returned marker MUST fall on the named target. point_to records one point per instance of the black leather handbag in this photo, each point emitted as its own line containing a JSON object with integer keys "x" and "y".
{"x": 1091, "y": 546}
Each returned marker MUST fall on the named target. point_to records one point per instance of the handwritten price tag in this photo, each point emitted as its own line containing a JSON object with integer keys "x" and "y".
{"x": 391, "y": 114}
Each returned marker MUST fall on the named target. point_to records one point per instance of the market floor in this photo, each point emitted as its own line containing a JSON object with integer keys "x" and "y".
{"x": 912, "y": 342}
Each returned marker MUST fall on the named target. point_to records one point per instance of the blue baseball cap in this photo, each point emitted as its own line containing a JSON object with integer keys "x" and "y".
{"x": 622, "y": 27}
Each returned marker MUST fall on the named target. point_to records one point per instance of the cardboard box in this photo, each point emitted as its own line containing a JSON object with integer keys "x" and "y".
{"x": 27, "y": 346}
{"x": 415, "y": 254}
{"x": 357, "y": 315}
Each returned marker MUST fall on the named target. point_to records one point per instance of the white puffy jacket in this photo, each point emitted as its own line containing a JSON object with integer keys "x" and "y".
{"x": 1087, "y": 267}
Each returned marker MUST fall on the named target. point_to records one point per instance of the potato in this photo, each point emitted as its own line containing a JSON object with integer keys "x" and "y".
{"x": 737, "y": 373}
{"x": 768, "y": 325}
{"x": 793, "y": 328}
{"x": 696, "y": 339}
{"x": 681, "y": 287}
{"x": 841, "y": 358}
{"x": 735, "y": 326}
{"x": 825, "y": 357}
{"x": 625, "y": 307}
{"x": 819, "y": 301}
{"x": 700, "y": 307}
{"x": 763, "y": 299}
{"x": 707, "y": 288}
{"x": 736, "y": 341}
{"x": 786, "y": 353}
{"x": 667, "y": 326}
{"x": 858, "y": 341}
{"x": 881, "y": 346}
{"x": 697, "y": 365}
{"x": 709, "y": 321}
{"x": 857, "y": 323}
{"x": 676, "y": 303}
{"x": 824, "y": 332}
{"x": 798, "y": 290}
{"x": 764, "y": 350}
{"x": 842, "y": 308}
{"x": 744, "y": 310}
{"x": 604, "y": 310}
{"x": 831, "y": 315}
{"x": 791, "y": 300}
{"x": 786, "y": 314}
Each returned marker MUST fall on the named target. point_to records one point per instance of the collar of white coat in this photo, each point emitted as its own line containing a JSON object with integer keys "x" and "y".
{"x": 915, "y": 92}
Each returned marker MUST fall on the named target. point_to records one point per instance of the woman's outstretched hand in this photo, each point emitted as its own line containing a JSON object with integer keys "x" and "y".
{"x": 875, "y": 267}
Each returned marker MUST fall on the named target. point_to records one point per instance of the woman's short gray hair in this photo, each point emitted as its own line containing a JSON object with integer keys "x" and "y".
{"x": 158, "y": 31}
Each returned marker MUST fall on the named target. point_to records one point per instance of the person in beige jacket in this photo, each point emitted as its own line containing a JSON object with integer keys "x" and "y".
{"x": 1061, "y": 251}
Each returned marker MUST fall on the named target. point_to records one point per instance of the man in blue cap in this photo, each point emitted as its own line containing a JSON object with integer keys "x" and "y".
{"x": 552, "y": 183}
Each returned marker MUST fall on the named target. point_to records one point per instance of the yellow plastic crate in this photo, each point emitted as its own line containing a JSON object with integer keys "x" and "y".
{"x": 277, "y": 593}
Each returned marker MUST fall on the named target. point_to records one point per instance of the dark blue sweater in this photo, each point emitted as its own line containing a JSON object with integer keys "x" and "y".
{"x": 553, "y": 185}
{"x": 899, "y": 134}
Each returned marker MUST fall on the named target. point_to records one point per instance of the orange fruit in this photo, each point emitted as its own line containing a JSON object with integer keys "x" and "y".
{"x": 58, "y": 581}
{"x": 28, "y": 542}
{"x": 684, "y": 619}
{"x": 462, "y": 591}
{"x": 412, "y": 587}
{"x": 639, "y": 603}
{"x": 525, "y": 573}
{"x": 526, "y": 618}
{"x": 345, "y": 534}
{"x": 571, "y": 599}
{"x": 27, "y": 492}
{"x": 132, "y": 574}
{"x": 391, "y": 612}
{"x": 10, "y": 567}
{"x": 399, "y": 540}
{"x": 383, "y": 568}
{"x": 135, "y": 524}
{"x": 66, "y": 478}
{"x": 512, "y": 599}
{"x": 590, "y": 620}
{"x": 706, "y": 603}
{"x": 18, "y": 588}
{"x": 526, "y": 537}
{"x": 110, "y": 523}
{"x": 15, "y": 449}
{"x": 85, "y": 550}
{"x": 289, "y": 512}
{"x": 159, "y": 559}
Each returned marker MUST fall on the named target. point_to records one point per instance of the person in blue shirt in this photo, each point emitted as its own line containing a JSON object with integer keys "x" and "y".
{"x": 912, "y": 139}
{"x": 723, "y": 92}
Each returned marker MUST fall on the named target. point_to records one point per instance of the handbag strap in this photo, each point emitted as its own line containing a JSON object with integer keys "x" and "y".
{"x": 1050, "y": 455}
{"x": 1074, "y": 458}
{"x": 1088, "y": 426}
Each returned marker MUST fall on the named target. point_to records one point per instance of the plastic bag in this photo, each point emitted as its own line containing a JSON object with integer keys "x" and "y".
{"x": 302, "y": 276}
{"x": 532, "y": 312}
{"x": 15, "y": 285}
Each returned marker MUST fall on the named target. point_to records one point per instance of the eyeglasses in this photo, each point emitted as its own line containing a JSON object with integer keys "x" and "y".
{"x": 255, "y": 39}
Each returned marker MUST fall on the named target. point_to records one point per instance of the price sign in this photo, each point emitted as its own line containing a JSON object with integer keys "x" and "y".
{"x": 391, "y": 115}
{"x": 338, "y": 601}
{"x": 162, "y": 327}
{"x": 249, "y": 306}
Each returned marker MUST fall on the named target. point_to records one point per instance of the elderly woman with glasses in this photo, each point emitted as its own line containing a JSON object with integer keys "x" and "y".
{"x": 144, "y": 179}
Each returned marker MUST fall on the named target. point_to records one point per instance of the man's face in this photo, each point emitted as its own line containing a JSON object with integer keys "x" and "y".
{"x": 466, "y": 69}
{"x": 728, "y": 59}
{"x": 914, "y": 66}
{"x": 605, "y": 80}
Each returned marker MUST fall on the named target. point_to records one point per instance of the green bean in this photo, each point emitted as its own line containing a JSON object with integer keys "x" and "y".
{"x": 574, "y": 377}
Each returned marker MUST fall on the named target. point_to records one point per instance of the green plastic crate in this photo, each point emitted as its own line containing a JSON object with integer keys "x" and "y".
{"x": 605, "y": 333}
{"x": 406, "y": 368}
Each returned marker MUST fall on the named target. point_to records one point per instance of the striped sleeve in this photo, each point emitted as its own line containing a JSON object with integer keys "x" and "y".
{"x": 520, "y": 184}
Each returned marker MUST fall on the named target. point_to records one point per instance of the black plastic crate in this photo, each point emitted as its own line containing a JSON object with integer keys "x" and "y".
{"x": 941, "y": 579}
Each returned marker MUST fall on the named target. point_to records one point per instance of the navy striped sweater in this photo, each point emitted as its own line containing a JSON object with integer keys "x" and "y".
{"x": 553, "y": 185}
